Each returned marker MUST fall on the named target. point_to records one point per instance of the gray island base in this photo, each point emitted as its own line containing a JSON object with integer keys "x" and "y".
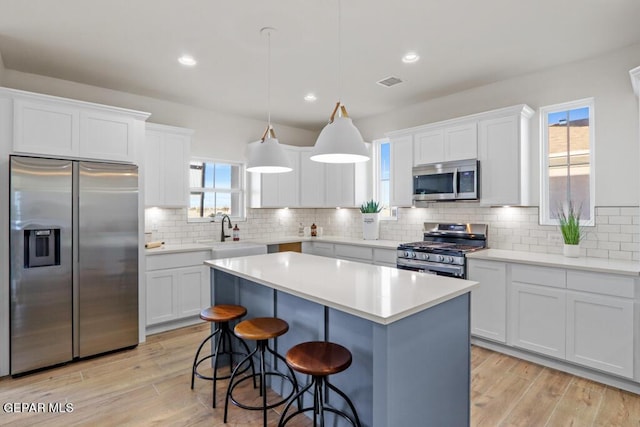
{"x": 413, "y": 370}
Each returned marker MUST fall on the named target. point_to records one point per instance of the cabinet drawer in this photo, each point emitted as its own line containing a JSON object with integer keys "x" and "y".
{"x": 384, "y": 256}
{"x": 322, "y": 249}
{"x": 354, "y": 252}
{"x": 175, "y": 260}
{"x": 606, "y": 284}
{"x": 545, "y": 276}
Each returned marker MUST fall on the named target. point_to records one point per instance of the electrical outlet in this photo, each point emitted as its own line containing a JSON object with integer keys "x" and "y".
{"x": 554, "y": 239}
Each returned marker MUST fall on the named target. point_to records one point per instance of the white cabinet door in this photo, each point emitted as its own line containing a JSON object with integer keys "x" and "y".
{"x": 600, "y": 332}
{"x": 401, "y": 191}
{"x": 428, "y": 147}
{"x": 107, "y": 136}
{"x": 312, "y": 181}
{"x": 354, "y": 253}
{"x": 499, "y": 156}
{"x": 279, "y": 190}
{"x": 289, "y": 182}
{"x": 461, "y": 142}
{"x": 489, "y": 300}
{"x": 46, "y": 128}
{"x": 161, "y": 301}
{"x": 189, "y": 291}
{"x": 166, "y": 166}
{"x": 537, "y": 319}
{"x": 340, "y": 190}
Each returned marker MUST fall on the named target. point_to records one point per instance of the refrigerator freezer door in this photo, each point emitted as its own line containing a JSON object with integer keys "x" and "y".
{"x": 107, "y": 257}
{"x": 41, "y": 281}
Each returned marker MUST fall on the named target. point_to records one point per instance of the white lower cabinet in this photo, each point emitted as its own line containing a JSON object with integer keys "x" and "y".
{"x": 177, "y": 286}
{"x": 489, "y": 300}
{"x": 174, "y": 293}
{"x": 600, "y": 332}
{"x": 537, "y": 319}
{"x": 358, "y": 253}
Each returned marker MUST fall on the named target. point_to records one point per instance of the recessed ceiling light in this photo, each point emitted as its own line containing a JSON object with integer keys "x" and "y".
{"x": 310, "y": 97}
{"x": 410, "y": 58}
{"x": 187, "y": 60}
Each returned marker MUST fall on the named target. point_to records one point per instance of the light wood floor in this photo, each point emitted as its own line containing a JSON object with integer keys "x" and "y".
{"x": 150, "y": 385}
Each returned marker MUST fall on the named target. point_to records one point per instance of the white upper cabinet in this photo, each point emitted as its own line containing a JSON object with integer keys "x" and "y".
{"x": 503, "y": 152}
{"x": 428, "y": 147}
{"x": 446, "y": 143}
{"x": 59, "y": 127}
{"x": 401, "y": 186}
{"x": 310, "y": 184}
{"x": 461, "y": 142}
{"x": 166, "y": 166}
{"x": 312, "y": 181}
{"x": 107, "y": 136}
{"x": 280, "y": 190}
{"x": 44, "y": 128}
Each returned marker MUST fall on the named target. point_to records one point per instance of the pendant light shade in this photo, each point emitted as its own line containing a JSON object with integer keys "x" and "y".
{"x": 267, "y": 155}
{"x": 339, "y": 141}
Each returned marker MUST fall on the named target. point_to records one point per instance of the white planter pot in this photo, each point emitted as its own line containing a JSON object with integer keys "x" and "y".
{"x": 370, "y": 226}
{"x": 572, "y": 251}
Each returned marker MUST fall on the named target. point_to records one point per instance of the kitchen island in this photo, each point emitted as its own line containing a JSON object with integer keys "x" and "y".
{"x": 408, "y": 332}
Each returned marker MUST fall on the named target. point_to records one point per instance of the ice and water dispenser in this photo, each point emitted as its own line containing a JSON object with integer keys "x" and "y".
{"x": 41, "y": 247}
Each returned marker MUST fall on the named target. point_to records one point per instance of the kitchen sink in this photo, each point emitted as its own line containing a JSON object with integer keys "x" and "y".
{"x": 234, "y": 249}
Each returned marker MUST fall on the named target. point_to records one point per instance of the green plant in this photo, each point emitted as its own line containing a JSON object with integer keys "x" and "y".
{"x": 370, "y": 207}
{"x": 570, "y": 225}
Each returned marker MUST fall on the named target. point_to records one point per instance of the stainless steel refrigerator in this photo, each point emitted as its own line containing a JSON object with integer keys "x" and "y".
{"x": 74, "y": 260}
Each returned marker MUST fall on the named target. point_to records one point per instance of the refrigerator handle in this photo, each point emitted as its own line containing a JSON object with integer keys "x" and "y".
{"x": 75, "y": 256}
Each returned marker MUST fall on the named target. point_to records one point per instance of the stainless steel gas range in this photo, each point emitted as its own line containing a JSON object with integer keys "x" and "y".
{"x": 443, "y": 249}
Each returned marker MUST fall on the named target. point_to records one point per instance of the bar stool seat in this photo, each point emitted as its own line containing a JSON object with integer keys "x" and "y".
{"x": 221, "y": 315}
{"x": 319, "y": 359}
{"x": 261, "y": 330}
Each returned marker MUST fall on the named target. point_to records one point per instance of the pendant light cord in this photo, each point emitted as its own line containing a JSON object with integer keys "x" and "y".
{"x": 339, "y": 52}
{"x": 269, "y": 80}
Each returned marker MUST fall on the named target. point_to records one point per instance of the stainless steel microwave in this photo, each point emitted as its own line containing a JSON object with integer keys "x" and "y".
{"x": 446, "y": 181}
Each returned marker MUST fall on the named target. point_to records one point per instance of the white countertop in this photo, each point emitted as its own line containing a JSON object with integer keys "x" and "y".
{"x": 380, "y": 294}
{"x": 601, "y": 265}
{"x": 186, "y": 247}
{"x": 190, "y": 247}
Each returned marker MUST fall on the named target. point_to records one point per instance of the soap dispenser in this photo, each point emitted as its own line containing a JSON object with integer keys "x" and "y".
{"x": 236, "y": 233}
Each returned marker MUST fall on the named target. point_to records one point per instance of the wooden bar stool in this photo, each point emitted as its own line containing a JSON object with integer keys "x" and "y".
{"x": 319, "y": 359}
{"x": 261, "y": 330}
{"x": 221, "y": 315}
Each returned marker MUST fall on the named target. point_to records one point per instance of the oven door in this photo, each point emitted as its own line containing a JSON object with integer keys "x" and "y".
{"x": 449, "y": 270}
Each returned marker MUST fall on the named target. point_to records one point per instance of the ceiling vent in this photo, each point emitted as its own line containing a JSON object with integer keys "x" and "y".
{"x": 389, "y": 81}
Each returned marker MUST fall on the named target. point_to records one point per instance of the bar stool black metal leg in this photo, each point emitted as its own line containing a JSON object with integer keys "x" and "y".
{"x": 294, "y": 379}
{"x": 231, "y": 380}
{"x": 216, "y": 353}
{"x": 195, "y": 360}
{"x": 346, "y": 399}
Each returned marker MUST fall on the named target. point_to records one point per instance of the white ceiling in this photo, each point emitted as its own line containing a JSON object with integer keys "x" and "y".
{"x": 132, "y": 46}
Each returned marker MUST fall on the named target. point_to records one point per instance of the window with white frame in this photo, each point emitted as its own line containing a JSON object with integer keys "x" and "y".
{"x": 382, "y": 177}
{"x": 216, "y": 187}
{"x": 567, "y": 147}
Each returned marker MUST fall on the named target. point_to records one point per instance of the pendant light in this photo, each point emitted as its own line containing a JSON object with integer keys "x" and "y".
{"x": 267, "y": 155}
{"x": 340, "y": 141}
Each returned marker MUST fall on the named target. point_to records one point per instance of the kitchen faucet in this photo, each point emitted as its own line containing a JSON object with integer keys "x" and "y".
{"x": 222, "y": 235}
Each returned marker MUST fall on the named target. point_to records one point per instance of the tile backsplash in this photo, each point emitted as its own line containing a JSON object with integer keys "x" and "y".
{"x": 616, "y": 234}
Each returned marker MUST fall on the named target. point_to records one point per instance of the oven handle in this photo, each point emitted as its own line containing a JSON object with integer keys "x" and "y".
{"x": 458, "y": 271}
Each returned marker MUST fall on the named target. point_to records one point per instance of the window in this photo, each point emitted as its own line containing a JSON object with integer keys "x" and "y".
{"x": 382, "y": 177}
{"x": 215, "y": 188}
{"x": 567, "y": 174}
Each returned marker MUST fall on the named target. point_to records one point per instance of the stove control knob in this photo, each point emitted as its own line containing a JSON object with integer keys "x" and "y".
{"x": 439, "y": 258}
{"x": 426, "y": 257}
{"x": 448, "y": 259}
{"x": 413, "y": 255}
{"x": 407, "y": 254}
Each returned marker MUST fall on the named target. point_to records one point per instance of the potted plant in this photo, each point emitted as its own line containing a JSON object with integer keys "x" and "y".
{"x": 571, "y": 230}
{"x": 370, "y": 220}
